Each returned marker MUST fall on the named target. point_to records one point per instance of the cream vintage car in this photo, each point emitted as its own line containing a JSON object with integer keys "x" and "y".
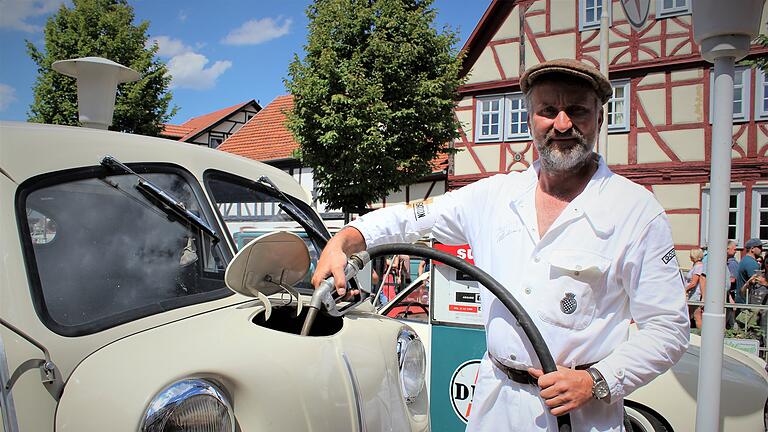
{"x": 114, "y": 314}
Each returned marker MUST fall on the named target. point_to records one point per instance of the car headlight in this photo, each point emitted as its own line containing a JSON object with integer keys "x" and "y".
{"x": 412, "y": 362}
{"x": 189, "y": 405}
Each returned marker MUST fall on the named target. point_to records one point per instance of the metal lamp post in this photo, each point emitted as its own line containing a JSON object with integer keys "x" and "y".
{"x": 723, "y": 31}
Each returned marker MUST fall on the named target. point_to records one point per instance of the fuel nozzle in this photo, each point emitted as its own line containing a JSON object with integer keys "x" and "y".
{"x": 325, "y": 297}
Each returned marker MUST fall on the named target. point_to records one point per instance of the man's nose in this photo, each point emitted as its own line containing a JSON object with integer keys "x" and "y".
{"x": 563, "y": 122}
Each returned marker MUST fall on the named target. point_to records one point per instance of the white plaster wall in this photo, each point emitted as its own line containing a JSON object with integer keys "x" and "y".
{"x": 562, "y": 15}
{"x": 687, "y": 74}
{"x": 654, "y": 78}
{"x": 509, "y": 56}
{"x": 463, "y": 163}
{"x": 688, "y": 145}
{"x": 511, "y": 27}
{"x": 618, "y": 149}
{"x": 484, "y": 69}
{"x": 648, "y": 151}
{"x": 685, "y": 228}
{"x": 490, "y": 156}
{"x": 677, "y": 196}
{"x": 688, "y": 104}
{"x": 465, "y": 118}
{"x": 561, "y": 46}
{"x": 655, "y": 104}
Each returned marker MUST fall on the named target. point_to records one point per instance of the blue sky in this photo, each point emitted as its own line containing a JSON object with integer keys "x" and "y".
{"x": 220, "y": 53}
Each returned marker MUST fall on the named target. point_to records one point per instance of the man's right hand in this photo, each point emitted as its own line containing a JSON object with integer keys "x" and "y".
{"x": 334, "y": 258}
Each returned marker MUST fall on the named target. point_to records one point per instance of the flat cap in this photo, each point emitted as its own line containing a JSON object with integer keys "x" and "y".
{"x": 571, "y": 67}
{"x": 753, "y": 243}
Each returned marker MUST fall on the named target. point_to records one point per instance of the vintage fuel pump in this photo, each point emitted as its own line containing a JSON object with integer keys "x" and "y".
{"x": 457, "y": 341}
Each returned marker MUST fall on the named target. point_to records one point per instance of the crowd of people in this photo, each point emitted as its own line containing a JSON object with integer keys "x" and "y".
{"x": 746, "y": 280}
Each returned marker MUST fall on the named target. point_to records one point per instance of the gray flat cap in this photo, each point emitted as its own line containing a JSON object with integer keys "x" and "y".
{"x": 569, "y": 67}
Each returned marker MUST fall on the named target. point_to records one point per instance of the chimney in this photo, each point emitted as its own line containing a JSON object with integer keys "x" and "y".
{"x": 97, "y": 80}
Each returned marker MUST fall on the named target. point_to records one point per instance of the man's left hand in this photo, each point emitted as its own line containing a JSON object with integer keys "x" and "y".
{"x": 565, "y": 390}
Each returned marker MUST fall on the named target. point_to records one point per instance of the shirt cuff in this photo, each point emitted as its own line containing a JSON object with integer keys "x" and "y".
{"x": 614, "y": 377}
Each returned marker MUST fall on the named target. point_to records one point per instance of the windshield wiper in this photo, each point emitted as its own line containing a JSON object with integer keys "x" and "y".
{"x": 298, "y": 215}
{"x": 170, "y": 203}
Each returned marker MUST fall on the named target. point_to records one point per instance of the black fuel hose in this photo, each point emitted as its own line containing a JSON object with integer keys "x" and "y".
{"x": 498, "y": 290}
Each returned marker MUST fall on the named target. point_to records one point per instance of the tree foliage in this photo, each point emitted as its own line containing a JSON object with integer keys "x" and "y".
{"x": 373, "y": 97}
{"x": 102, "y": 28}
{"x": 760, "y": 60}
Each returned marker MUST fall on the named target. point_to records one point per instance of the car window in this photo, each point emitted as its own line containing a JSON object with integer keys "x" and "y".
{"x": 401, "y": 301}
{"x": 103, "y": 253}
{"x": 250, "y": 210}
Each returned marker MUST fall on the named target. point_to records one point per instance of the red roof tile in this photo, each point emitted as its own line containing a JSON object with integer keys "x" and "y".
{"x": 196, "y": 125}
{"x": 266, "y": 137}
{"x": 174, "y": 131}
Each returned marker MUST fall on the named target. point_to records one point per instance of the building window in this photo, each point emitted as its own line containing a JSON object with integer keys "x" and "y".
{"x": 761, "y": 95}
{"x": 489, "y": 115}
{"x": 501, "y": 117}
{"x": 760, "y": 213}
{"x": 517, "y": 118}
{"x": 589, "y": 18}
{"x": 248, "y": 116}
{"x": 740, "y": 94}
{"x": 670, "y": 8}
{"x": 735, "y": 216}
{"x": 618, "y": 107}
{"x": 215, "y": 139}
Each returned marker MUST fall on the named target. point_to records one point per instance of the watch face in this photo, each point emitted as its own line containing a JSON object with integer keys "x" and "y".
{"x": 601, "y": 390}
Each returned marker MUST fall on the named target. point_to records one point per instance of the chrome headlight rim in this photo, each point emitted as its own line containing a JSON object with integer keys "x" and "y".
{"x": 173, "y": 395}
{"x": 408, "y": 343}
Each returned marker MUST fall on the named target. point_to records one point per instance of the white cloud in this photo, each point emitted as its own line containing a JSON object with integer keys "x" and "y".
{"x": 168, "y": 46}
{"x": 182, "y": 16}
{"x": 7, "y": 96}
{"x": 256, "y": 31}
{"x": 15, "y": 13}
{"x": 188, "y": 71}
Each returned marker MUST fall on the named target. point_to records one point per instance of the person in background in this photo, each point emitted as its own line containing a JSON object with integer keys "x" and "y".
{"x": 748, "y": 265}
{"x": 694, "y": 290}
{"x": 733, "y": 270}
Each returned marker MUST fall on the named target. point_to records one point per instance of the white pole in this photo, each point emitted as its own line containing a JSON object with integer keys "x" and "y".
{"x": 711, "y": 359}
{"x": 602, "y": 146}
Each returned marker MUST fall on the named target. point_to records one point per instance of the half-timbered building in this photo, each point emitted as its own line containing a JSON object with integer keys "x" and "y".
{"x": 213, "y": 128}
{"x": 659, "y": 119}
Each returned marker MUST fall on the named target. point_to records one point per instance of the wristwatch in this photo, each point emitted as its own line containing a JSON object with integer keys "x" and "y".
{"x": 600, "y": 390}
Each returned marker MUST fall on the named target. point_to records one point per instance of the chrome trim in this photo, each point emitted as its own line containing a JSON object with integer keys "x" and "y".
{"x": 361, "y": 426}
{"x": 172, "y": 396}
{"x": 8, "y": 409}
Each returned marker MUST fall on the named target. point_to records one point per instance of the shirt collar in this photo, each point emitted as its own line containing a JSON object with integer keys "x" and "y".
{"x": 591, "y": 200}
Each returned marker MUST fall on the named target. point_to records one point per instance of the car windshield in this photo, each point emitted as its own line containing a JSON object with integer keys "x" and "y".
{"x": 251, "y": 209}
{"x": 104, "y": 253}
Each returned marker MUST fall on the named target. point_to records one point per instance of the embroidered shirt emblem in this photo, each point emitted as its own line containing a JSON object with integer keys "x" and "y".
{"x": 668, "y": 256}
{"x": 568, "y": 304}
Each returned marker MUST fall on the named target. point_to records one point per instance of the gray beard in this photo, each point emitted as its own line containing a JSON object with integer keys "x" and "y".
{"x": 554, "y": 159}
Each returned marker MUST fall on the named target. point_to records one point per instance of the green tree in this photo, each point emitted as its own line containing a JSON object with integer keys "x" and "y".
{"x": 102, "y": 28}
{"x": 373, "y": 97}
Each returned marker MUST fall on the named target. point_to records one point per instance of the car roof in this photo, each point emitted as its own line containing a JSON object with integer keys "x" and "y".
{"x": 31, "y": 149}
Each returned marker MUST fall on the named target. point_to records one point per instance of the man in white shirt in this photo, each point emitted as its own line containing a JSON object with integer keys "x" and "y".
{"x": 582, "y": 249}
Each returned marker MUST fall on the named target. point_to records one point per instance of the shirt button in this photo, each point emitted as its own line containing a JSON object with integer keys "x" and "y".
{"x": 620, "y": 373}
{"x": 536, "y": 259}
{"x": 527, "y": 290}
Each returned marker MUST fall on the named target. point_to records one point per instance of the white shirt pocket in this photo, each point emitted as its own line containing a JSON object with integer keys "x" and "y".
{"x": 568, "y": 298}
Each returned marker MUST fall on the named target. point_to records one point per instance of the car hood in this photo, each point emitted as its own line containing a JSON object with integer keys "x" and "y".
{"x": 276, "y": 380}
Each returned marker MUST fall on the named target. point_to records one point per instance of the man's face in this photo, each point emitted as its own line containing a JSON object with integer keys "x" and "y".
{"x": 565, "y": 117}
{"x": 731, "y": 251}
